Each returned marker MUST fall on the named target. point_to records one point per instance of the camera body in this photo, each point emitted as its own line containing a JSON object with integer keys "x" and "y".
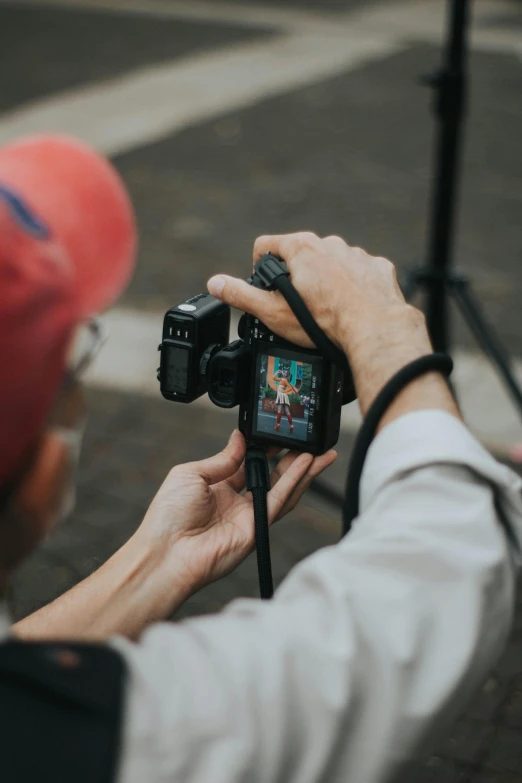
{"x": 287, "y": 395}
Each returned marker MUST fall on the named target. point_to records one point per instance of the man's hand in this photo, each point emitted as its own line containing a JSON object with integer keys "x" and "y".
{"x": 197, "y": 529}
{"x": 357, "y": 302}
{"x": 201, "y": 527}
{"x": 344, "y": 287}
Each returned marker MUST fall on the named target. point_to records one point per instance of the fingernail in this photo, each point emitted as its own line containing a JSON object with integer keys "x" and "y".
{"x": 215, "y": 285}
{"x": 232, "y": 435}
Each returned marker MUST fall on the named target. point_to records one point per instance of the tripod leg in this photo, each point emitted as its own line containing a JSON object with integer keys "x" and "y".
{"x": 437, "y": 315}
{"x": 487, "y": 339}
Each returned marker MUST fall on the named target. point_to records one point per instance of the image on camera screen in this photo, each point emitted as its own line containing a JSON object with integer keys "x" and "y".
{"x": 287, "y": 397}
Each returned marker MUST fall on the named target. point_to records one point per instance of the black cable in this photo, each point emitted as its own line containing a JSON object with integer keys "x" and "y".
{"x": 435, "y": 362}
{"x": 258, "y": 483}
{"x": 264, "y": 564}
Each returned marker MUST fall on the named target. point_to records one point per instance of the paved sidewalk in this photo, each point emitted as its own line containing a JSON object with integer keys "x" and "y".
{"x": 343, "y": 147}
{"x": 130, "y": 445}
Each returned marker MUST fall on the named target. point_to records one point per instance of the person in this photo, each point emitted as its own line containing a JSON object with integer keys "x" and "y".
{"x": 284, "y": 387}
{"x": 368, "y": 648}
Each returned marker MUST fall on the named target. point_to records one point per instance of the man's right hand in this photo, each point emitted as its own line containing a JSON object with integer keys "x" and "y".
{"x": 355, "y": 299}
{"x": 344, "y": 287}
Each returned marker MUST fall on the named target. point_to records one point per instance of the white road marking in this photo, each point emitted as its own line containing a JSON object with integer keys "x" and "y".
{"x": 406, "y": 18}
{"x": 129, "y": 359}
{"x": 150, "y": 103}
{"x": 425, "y": 22}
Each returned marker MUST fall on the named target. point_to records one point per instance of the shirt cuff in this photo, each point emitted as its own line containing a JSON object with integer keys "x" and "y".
{"x": 428, "y": 437}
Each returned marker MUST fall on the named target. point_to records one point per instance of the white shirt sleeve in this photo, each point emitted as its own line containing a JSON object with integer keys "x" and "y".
{"x": 368, "y": 648}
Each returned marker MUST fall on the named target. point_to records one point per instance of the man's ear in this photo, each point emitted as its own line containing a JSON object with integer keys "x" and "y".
{"x": 36, "y": 503}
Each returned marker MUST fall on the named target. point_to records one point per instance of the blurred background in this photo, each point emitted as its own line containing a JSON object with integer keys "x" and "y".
{"x": 232, "y": 119}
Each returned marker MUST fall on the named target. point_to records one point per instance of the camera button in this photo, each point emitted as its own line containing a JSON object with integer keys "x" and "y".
{"x": 181, "y": 330}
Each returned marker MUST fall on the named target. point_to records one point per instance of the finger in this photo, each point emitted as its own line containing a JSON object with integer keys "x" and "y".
{"x": 289, "y": 480}
{"x": 237, "y": 482}
{"x": 268, "y": 306}
{"x": 286, "y": 246}
{"x": 319, "y": 464}
{"x": 335, "y": 243}
{"x": 223, "y": 465}
{"x": 238, "y": 293}
{"x": 283, "y": 464}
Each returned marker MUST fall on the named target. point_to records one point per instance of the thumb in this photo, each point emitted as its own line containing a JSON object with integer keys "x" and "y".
{"x": 224, "y": 464}
{"x": 238, "y": 293}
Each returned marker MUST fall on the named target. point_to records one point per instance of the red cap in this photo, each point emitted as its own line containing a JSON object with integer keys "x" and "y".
{"x": 67, "y": 248}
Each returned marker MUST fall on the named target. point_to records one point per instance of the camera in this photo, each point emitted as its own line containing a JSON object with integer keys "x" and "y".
{"x": 287, "y": 395}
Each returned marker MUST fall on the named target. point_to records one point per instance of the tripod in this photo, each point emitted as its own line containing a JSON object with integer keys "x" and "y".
{"x": 436, "y": 277}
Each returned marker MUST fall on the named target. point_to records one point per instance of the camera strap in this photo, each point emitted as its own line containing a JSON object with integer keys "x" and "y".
{"x": 272, "y": 273}
{"x": 435, "y": 362}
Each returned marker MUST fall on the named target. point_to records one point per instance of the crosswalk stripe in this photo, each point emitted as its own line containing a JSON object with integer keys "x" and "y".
{"x": 150, "y": 103}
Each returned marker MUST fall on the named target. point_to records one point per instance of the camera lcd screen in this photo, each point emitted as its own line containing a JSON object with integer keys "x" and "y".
{"x": 177, "y": 370}
{"x": 288, "y": 395}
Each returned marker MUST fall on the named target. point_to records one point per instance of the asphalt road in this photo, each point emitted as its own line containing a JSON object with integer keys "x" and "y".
{"x": 348, "y": 153}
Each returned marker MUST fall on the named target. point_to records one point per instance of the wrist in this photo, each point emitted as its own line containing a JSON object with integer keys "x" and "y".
{"x": 122, "y": 597}
{"x": 138, "y": 588}
{"x": 155, "y": 576}
{"x": 379, "y": 347}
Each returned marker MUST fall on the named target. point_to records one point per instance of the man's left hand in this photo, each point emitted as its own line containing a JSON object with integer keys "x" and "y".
{"x": 201, "y": 526}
